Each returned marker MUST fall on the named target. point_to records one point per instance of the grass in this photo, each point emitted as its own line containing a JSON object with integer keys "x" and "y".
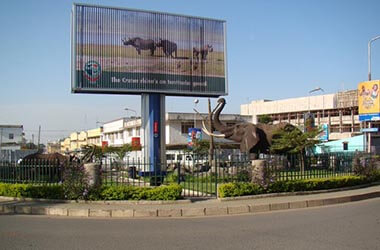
{"x": 115, "y": 56}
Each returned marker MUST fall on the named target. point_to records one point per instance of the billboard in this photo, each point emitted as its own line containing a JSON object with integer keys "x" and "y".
{"x": 124, "y": 51}
{"x": 324, "y": 135}
{"x": 368, "y": 100}
{"x": 194, "y": 135}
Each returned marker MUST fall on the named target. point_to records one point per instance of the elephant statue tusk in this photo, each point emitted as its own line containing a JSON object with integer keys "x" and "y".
{"x": 209, "y": 133}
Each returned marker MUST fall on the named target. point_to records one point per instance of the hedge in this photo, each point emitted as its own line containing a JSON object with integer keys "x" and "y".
{"x": 31, "y": 191}
{"x": 240, "y": 189}
{"x": 171, "y": 192}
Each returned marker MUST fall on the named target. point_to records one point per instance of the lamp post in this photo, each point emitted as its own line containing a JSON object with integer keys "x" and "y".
{"x": 135, "y": 119}
{"x": 369, "y": 56}
{"x": 196, "y": 101}
{"x": 323, "y": 99}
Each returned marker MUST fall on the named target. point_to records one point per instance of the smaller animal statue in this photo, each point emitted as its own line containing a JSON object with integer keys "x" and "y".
{"x": 140, "y": 44}
{"x": 53, "y": 157}
{"x": 168, "y": 47}
{"x": 203, "y": 51}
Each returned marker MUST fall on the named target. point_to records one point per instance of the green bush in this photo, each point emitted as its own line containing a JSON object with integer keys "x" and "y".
{"x": 171, "y": 192}
{"x": 31, "y": 191}
{"x": 75, "y": 182}
{"x": 240, "y": 189}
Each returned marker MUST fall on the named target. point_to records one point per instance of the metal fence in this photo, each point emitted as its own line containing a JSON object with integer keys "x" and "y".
{"x": 194, "y": 172}
{"x": 31, "y": 171}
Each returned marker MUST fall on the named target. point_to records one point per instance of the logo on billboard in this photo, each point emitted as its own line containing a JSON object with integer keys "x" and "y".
{"x": 92, "y": 71}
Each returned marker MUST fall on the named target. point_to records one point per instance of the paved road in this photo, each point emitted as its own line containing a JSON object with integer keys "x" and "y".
{"x": 346, "y": 226}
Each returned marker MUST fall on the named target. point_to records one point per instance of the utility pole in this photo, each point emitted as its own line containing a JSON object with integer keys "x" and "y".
{"x": 369, "y": 56}
{"x": 39, "y": 137}
{"x": 211, "y": 149}
{"x": 1, "y": 141}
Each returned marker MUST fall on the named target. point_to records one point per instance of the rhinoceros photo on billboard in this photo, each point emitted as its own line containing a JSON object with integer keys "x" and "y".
{"x": 132, "y": 51}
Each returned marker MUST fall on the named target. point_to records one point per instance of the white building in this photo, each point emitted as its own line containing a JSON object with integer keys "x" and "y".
{"x": 121, "y": 131}
{"x": 11, "y": 137}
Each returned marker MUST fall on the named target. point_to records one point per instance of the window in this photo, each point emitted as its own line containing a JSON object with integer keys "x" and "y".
{"x": 185, "y": 127}
{"x": 138, "y": 131}
{"x": 11, "y": 136}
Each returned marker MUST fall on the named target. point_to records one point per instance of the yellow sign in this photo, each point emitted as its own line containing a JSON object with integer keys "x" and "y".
{"x": 368, "y": 97}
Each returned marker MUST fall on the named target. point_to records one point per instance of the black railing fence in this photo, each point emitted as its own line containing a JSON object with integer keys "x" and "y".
{"x": 31, "y": 171}
{"x": 194, "y": 172}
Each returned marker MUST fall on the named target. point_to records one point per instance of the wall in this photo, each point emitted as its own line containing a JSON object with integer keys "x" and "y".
{"x": 11, "y": 143}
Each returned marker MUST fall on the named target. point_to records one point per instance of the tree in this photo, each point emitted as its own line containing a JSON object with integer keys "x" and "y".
{"x": 265, "y": 119}
{"x": 293, "y": 141}
{"x": 119, "y": 151}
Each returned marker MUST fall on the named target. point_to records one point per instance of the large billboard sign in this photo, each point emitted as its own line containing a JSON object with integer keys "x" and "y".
{"x": 132, "y": 51}
{"x": 368, "y": 100}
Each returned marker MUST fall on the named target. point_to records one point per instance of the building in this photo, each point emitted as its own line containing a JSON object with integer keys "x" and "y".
{"x": 53, "y": 147}
{"x": 122, "y": 131}
{"x": 93, "y": 136}
{"x": 11, "y": 137}
{"x": 339, "y": 111}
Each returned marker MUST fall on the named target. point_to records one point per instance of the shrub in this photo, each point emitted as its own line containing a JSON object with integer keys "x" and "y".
{"x": 75, "y": 182}
{"x": 31, "y": 191}
{"x": 171, "y": 192}
{"x": 239, "y": 189}
{"x": 364, "y": 165}
{"x": 315, "y": 184}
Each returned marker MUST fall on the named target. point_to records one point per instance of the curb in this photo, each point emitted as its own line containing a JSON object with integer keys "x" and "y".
{"x": 180, "y": 212}
{"x": 110, "y": 202}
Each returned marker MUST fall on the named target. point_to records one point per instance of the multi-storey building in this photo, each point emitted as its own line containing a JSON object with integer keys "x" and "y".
{"x": 339, "y": 111}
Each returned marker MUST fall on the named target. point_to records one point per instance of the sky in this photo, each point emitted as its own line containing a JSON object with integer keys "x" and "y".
{"x": 275, "y": 50}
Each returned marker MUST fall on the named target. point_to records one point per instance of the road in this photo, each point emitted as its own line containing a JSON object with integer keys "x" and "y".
{"x": 346, "y": 226}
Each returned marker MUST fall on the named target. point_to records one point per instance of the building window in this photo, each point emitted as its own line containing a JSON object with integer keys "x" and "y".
{"x": 11, "y": 136}
{"x": 138, "y": 131}
{"x": 185, "y": 127}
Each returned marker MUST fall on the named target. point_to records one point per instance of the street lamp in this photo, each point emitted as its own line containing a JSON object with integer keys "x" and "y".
{"x": 132, "y": 110}
{"x": 323, "y": 99}
{"x": 369, "y": 56}
{"x": 196, "y": 101}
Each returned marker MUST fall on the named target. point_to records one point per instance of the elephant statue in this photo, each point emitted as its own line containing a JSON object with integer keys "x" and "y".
{"x": 253, "y": 138}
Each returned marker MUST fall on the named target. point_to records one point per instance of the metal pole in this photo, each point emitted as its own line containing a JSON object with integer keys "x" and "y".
{"x": 369, "y": 56}
{"x": 1, "y": 142}
{"x": 195, "y": 114}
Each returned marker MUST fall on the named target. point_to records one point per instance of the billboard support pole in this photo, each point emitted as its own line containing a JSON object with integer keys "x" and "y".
{"x": 153, "y": 123}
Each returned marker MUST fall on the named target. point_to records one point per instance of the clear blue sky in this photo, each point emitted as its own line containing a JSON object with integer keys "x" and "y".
{"x": 275, "y": 49}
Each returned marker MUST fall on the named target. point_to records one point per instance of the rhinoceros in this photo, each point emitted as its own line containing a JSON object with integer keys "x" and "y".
{"x": 140, "y": 44}
{"x": 168, "y": 47}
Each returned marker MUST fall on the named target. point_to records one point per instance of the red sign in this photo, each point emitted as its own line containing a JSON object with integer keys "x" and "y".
{"x": 104, "y": 144}
{"x": 136, "y": 143}
{"x": 155, "y": 127}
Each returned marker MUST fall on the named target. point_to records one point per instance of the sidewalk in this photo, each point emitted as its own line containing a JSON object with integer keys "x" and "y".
{"x": 184, "y": 208}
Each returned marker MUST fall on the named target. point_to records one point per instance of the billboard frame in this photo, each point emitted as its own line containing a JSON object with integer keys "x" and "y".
{"x": 73, "y": 39}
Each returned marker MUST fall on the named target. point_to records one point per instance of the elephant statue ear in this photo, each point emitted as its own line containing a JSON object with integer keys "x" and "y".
{"x": 249, "y": 140}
